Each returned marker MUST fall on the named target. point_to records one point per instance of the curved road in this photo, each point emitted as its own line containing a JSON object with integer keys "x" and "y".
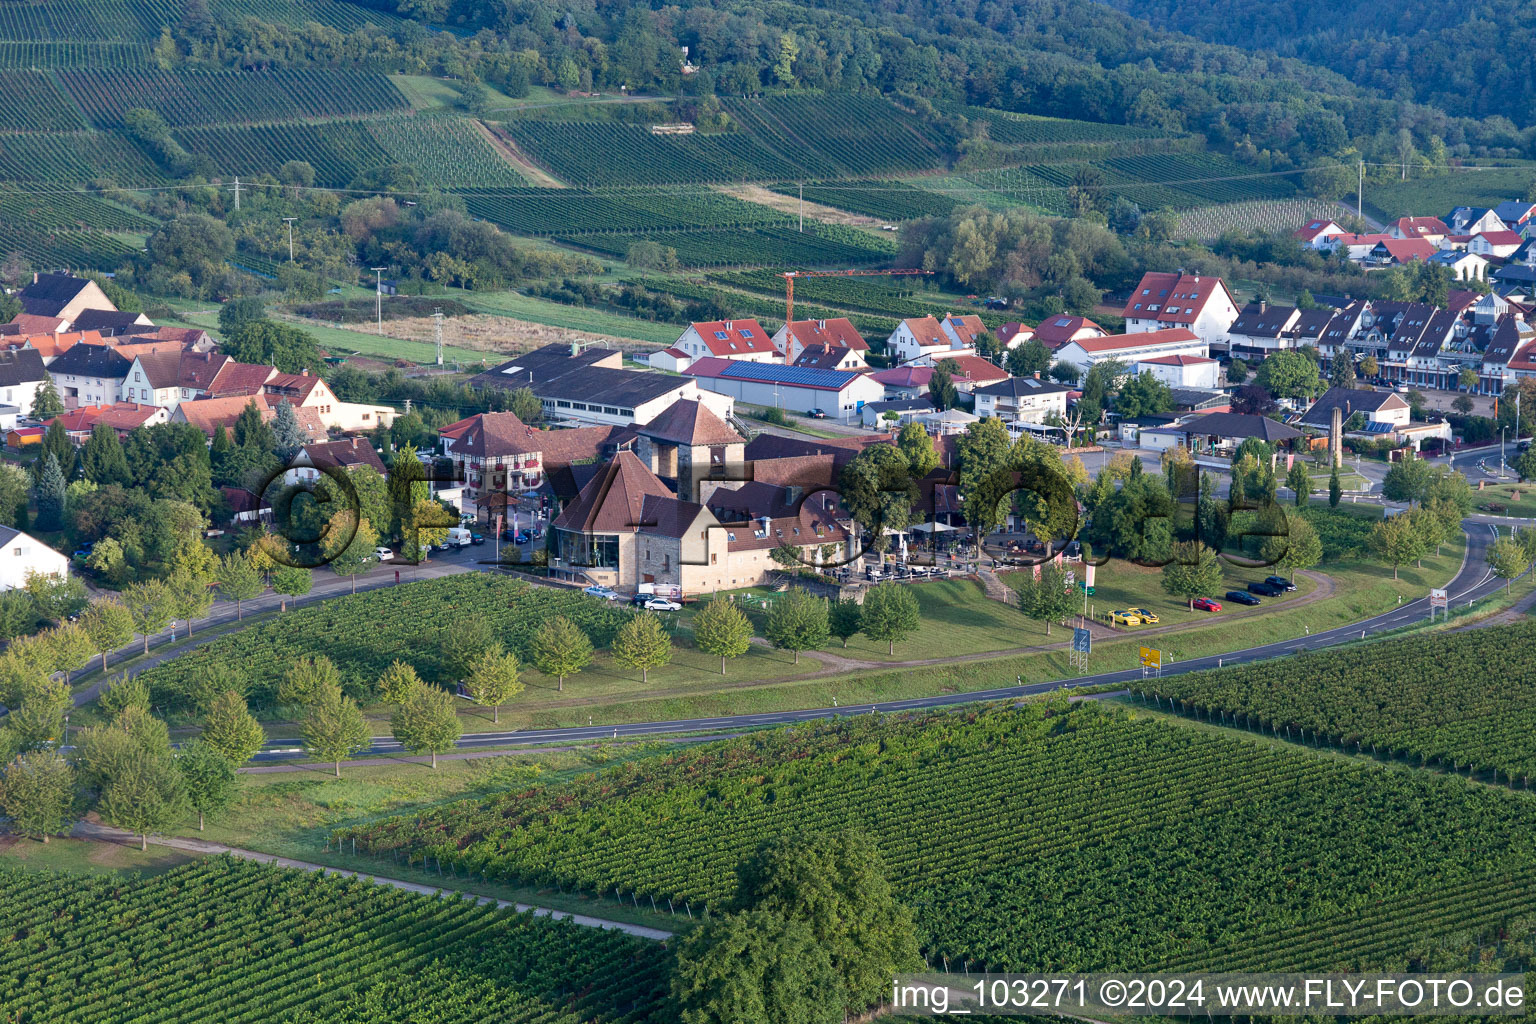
{"x": 1473, "y": 581}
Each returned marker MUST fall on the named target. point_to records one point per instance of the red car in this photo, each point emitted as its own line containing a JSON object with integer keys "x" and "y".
{"x": 1205, "y": 604}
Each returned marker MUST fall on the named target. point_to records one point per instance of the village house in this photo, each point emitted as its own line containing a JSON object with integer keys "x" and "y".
{"x": 1200, "y": 304}
{"x": 743, "y": 340}
{"x": 793, "y": 339}
{"x": 1131, "y": 348}
{"x": 922, "y": 336}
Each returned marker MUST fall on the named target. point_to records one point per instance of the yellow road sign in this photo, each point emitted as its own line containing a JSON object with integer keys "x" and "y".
{"x": 1151, "y": 657}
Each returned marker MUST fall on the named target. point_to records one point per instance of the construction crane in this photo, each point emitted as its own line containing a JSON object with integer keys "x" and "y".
{"x": 789, "y": 282}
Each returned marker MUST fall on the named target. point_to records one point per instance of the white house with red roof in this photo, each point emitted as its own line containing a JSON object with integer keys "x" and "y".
{"x": 1182, "y": 371}
{"x": 743, "y": 341}
{"x": 1056, "y": 331}
{"x": 962, "y": 329}
{"x": 1013, "y": 334}
{"x": 1200, "y": 303}
{"x": 306, "y": 391}
{"x": 969, "y": 371}
{"x": 794, "y": 338}
{"x": 1358, "y": 247}
{"x": 1318, "y": 233}
{"x": 1396, "y": 252}
{"x": 921, "y": 336}
{"x": 1430, "y": 229}
{"x": 1131, "y": 349}
{"x": 1496, "y": 245}
{"x": 672, "y": 359}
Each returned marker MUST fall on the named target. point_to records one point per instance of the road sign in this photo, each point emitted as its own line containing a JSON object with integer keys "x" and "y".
{"x": 1082, "y": 641}
{"x": 1439, "y": 598}
{"x": 1151, "y": 657}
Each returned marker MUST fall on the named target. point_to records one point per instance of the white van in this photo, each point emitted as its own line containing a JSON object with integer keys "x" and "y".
{"x": 458, "y": 537}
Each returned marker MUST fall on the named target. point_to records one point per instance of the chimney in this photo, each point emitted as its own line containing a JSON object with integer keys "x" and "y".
{"x": 1037, "y": 375}
{"x": 728, "y": 325}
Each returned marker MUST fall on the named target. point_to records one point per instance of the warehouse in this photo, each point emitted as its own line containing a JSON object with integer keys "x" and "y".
{"x": 798, "y": 389}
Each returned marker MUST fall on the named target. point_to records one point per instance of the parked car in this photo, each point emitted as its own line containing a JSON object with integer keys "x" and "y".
{"x": 383, "y": 554}
{"x": 1146, "y": 616}
{"x": 1281, "y": 582}
{"x": 1266, "y": 589}
{"x": 476, "y": 539}
{"x": 1205, "y": 604}
{"x": 606, "y": 593}
{"x": 817, "y": 414}
{"x": 82, "y": 554}
{"x": 662, "y": 604}
{"x": 1125, "y": 618}
{"x": 1241, "y": 597}
{"x": 458, "y": 537}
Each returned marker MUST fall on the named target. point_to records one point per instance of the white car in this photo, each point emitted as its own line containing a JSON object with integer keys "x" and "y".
{"x": 603, "y": 592}
{"x": 661, "y": 604}
{"x": 383, "y": 554}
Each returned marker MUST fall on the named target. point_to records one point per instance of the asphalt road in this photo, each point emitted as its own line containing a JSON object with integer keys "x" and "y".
{"x": 1472, "y": 582}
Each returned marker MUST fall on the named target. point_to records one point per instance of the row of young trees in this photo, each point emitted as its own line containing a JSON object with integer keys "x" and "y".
{"x": 126, "y": 770}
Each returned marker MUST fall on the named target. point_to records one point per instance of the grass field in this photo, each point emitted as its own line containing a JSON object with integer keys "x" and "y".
{"x": 1506, "y": 494}
{"x": 1435, "y": 196}
{"x": 79, "y": 856}
{"x": 573, "y": 318}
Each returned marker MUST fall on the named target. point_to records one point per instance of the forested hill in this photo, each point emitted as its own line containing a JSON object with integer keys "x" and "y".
{"x": 1467, "y": 59}
{"x": 1071, "y": 58}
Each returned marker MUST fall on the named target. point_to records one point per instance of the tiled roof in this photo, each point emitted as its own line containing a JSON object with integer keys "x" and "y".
{"x": 1419, "y": 227}
{"x": 1177, "y": 360}
{"x": 966, "y": 327}
{"x": 1172, "y": 297}
{"x": 927, "y": 331}
{"x": 28, "y": 323}
{"x": 975, "y": 368}
{"x": 1407, "y": 250}
{"x": 208, "y": 414}
{"x": 689, "y": 422}
{"x": 21, "y": 366}
{"x": 50, "y": 293}
{"x": 823, "y": 357}
{"x": 1349, "y": 401}
{"x": 614, "y": 500}
{"x": 235, "y": 378}
{"x": 838, "y": 332}
{"x": 1500, "y": 237}
{"x": 732, "y": 338}
{"x": 904, "y": 376}
{"x": 348, "y": 453}
{"x": 1115, "y": 342}
{"x": 1056, "y": 331}
{"x": 667, "y": 516}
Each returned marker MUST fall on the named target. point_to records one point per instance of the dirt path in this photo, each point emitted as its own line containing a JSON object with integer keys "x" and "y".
{"x": 107, "y": 834}
{"x": 791, "y": 205}
{"x": 516, "y": 157}
{"x": 490, "y": 333}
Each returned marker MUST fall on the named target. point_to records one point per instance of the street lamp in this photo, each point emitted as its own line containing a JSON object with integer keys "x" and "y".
{"x": 290, "y": 221}
{"x": 378, "y": 295}
{"x": 1502, "y": 431}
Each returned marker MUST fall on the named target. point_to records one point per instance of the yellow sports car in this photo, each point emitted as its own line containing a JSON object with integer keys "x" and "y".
{"x": 1145, "y": 615}
{"x": 1125, "y": 618}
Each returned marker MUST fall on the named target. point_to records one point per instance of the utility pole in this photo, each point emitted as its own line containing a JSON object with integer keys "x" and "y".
{"x": 237, "y": 192}
{"x": 437, "y": 332}
{"x": 802, "y": 207}
{"x": 290, "y": 221}
{"x": 378, "y": 296}
{"x": 1360, "y": 191}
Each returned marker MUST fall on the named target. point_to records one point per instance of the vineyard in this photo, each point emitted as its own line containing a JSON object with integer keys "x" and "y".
{"x": 445, "y": 152}
{"x": 68, "y": 211}
{"x": 122, "y": 21}
{"x": 896, "y": 297}
{"x": 1159, "y": 845}
{"x": 34, "y": 102}
{"x": 819, "y": 245}
{"x": 1392, "y": 698}
{"x": 1205, "y": 223}
{"x": 781, "y": 139}
{"x": 76, "y": 250}
{"x": 71, "y": 53}
{"x": 1012, "y": 129}
{"x": 566, "y": 211}
{"x": 229, "y": 941}
{"x": 363, "y": 633}
{"x": 1175, "y": 180}
{"x": 73, "y": 158}
{"x": 191, "y": 98}
{"x": 890, "y": 200}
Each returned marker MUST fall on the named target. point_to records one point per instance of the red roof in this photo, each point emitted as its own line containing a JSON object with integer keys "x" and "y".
{"x": 1369, "y": 239}
{"x": 835, "y": 333}
{"x": 1173, "y": 297}
{"x": 120, "y": 416}
{"x": 966, "y": 326}
{"x": 1419, "y": 227}
{"x": 927, "y": 331}
{"x": 1310, "y": 231}
{"x": 1166, "y": 336}
{"x": 732, "y": 339}
{"x": 1056, "y": 331}
{"x": 1500, "y": 237}
{"x": 1177, "y": 360}
{"x": 1459, "y": 299}
{"x": 674, "y": 352}
{"x": 904, "y": 376}
{"x": 975, "y": 368}
{"x": 1407, "y": 250}
{"x": 240, "y": 379}
{"x": 29, "y": 323}
{"x": 1012, "y": 329}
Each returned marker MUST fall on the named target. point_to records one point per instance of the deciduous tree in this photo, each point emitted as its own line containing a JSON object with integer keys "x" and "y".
{"x": 425, "y": 722}
{"x": 1047, "y": 599}
{"x": 560, "y": 649}
{"x": 845, "y": 618}
{"x": 207, "y": 777}
{"x": 642, "y": 643}
{"x": 231, "y": 729}
{"x": 398, "y": 682}
{"x": 890, "y": 614}
{"x": 143, "y": 794}
{"x": 1299, "y": 482}
{"x": 1194, "y": 572}
{"x": 291, "y": 581}
{"x": 722, "y": 630}
{"x": 1397, "y": 541}
{"x": 334, "y": 729}
{"x": 150, "y": 605}
{"x": 109, "y": 625}
{"x": 494, "y": 679}
{"x": 239, "y": 580}
{"x": 1508, "y": 559}
{"x": 36, "y": 792}
{"x": 797, "y": 622}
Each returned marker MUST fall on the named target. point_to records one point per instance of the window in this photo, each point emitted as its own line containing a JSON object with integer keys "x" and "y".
{"x": 745, "y": 334}
{"x": 721, "y": 335}
{"x": 136, "y": 376}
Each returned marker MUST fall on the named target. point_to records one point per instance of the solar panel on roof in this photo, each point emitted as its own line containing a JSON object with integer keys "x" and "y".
{"x": 803, "y": 376}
